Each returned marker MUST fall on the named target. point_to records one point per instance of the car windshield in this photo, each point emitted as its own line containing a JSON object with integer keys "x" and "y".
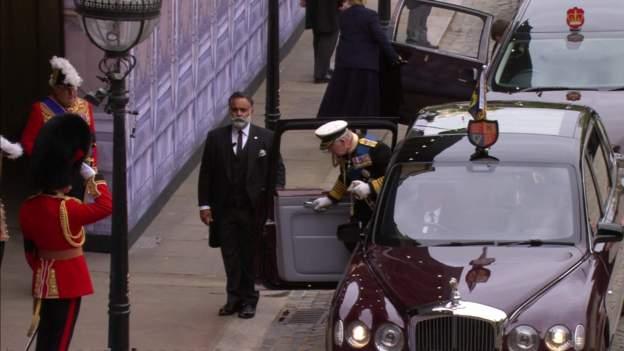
{"x": 430, "y": 204}
{"x": 588, "y": 63}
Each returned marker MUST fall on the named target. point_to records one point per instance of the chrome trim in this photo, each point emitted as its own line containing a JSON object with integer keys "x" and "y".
{"x": 461, "y": 309}
{"x": 543, "y": 290}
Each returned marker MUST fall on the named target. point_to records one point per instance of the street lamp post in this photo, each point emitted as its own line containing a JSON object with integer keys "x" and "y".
{"x": 272, "y": 114}
{"x": 116, "y": 26}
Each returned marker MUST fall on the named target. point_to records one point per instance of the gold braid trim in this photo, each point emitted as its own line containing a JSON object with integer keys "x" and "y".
{"x": 73, "y": 240}
{"x": 92, "y": 187}
{"x": 338, "y": 191}
{"x": 377, "y": 183}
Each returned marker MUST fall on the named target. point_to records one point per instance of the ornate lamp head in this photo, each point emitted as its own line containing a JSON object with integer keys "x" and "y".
{"x": 116, "y": 26}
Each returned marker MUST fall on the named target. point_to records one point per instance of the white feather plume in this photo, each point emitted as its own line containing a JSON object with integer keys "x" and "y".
{"x": 71, "y": 75}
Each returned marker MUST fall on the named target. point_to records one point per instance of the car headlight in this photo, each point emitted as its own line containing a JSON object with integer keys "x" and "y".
{"x": 523, "y": 338}
{"x": 389, "y": 337}
{"x": 558, "y": 338}
{"x": 357, "y": 335}
{"x": 339, "y": 332}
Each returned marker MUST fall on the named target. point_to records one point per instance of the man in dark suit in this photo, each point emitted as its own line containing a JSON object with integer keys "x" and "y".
{"x": 233, "y": 191}
{"x": 322, "y": 18}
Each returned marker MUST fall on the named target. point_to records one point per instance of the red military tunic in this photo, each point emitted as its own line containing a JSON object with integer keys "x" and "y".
{"x": 54, "y": 223}
{"x": 40, "y": 114}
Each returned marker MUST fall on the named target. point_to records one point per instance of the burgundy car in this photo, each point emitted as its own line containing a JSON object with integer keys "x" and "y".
{"x": 517, "y": 248}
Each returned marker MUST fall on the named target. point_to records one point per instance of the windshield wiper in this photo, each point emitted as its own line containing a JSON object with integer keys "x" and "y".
{"x": 535, "y": 242}
{"x": 538, "y": 89}
{"x": 467, "y": 243}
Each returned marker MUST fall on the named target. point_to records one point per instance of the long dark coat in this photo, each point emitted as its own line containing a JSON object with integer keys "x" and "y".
{"x": 354, "y": 89}
{"x": 322, "y": 15}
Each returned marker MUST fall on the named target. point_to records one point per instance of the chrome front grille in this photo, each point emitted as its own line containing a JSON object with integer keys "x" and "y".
{"x": 454, "y": 333}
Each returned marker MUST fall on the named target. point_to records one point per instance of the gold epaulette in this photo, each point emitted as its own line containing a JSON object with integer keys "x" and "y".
{"x": 368, "y": 142}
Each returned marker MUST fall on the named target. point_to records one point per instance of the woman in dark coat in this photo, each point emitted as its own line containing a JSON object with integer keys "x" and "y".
{"x": 354, "y": 87}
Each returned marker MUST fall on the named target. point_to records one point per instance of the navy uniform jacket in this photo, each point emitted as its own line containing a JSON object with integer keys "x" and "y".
{"x": 367, "y": 163}
{"x": 362, "y": 39}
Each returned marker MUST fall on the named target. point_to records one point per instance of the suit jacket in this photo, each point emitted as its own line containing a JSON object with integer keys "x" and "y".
{"x": 322, "y": 15}
{"x": 215, "y": 174}
{"x": 362, "y": 40}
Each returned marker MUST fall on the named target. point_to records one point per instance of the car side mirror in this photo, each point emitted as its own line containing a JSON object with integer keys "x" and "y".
{"x": 609, "y": 232}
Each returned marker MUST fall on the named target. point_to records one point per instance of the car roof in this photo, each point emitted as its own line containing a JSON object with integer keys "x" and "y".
{"x": 550, "y": 15}
{"x": 528, "y": 132}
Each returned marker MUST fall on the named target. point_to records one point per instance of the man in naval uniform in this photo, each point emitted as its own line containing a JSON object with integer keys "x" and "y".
{"x": 53, "y": 223}
{"x": 64, "y": 82}
{"x": 362, "y": 161}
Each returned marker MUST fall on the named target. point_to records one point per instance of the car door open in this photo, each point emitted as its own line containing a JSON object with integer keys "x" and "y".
{"x": 445, "y": 46}
{"x": 299, "y": 246}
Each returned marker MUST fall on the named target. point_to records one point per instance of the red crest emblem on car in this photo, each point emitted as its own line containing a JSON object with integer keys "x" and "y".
{"x": 575, "y": 18}
{"x": 483, "y": 133}
{"x": 573, "y": 96}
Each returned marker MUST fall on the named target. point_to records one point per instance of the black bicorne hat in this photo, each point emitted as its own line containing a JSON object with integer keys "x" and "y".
{"x": 60, "y": 148}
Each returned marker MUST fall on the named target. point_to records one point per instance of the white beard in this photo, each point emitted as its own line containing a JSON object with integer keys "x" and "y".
{"x": 240, "y": 123}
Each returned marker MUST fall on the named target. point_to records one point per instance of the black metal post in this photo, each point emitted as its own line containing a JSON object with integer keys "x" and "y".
{"x": 119, "y": 305}
{"x": 384, "y": 11}
{"x": 272, "y": 73}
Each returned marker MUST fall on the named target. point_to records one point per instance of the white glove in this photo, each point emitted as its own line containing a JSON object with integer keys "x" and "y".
{"x": 86, "y": 171}
{"x": 13, "y": 150}
{"x": 322, "y": 203}
{"x": 360, "y": 189}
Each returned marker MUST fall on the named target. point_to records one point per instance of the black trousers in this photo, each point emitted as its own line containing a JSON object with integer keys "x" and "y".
{"x": 324, "y": 45}
{"x": 238, "y": 235}
{"x": 56, "y": 324}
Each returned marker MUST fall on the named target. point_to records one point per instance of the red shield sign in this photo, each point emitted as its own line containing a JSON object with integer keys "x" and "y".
{"x": 575, "y": 18}
{"x": 483, "y": 133}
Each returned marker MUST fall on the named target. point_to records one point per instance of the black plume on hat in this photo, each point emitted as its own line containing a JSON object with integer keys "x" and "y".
{"x": 60, "y": 148}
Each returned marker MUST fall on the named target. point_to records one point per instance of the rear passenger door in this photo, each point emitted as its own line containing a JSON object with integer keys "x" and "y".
{"x": 299, "y": 247}
{"x": 445, "y": 46}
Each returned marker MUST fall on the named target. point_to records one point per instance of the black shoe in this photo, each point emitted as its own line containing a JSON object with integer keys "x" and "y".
{"x": 228, "y": 309}
{"x": 247, "y": 311}
{"x": 325, "y": 79}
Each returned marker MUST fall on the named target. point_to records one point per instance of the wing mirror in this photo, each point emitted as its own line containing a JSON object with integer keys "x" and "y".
{"x": 609, "y": 232}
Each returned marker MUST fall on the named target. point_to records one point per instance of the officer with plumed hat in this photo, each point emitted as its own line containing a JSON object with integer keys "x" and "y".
{"x": 52, "y": 224}
{"x": 64, "y": 82}
{"x": 362, "y": 161}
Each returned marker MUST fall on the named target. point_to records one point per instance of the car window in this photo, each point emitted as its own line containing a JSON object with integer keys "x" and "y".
{"x": 457, "y": 201}
{"x": 422, "y": 25}
{"x": 592, "y": 204}
{"x": 592, "y": 62}
{"x": 600, "y": 168}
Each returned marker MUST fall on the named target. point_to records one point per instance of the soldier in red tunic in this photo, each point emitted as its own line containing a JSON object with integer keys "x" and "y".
{"x": 64, "y": 82}
{"x": 53, "y": 227}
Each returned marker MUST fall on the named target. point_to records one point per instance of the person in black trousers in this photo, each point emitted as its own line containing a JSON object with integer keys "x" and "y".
{"x": 354, "y": 88}
{"x": 322, "y": 17}
{"x": 233, "y": 193}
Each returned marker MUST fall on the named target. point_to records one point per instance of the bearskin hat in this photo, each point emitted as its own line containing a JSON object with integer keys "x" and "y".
{"x": 60, "y": 148}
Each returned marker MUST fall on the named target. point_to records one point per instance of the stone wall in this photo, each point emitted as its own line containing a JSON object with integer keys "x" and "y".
{"x": 201, "y": 51}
